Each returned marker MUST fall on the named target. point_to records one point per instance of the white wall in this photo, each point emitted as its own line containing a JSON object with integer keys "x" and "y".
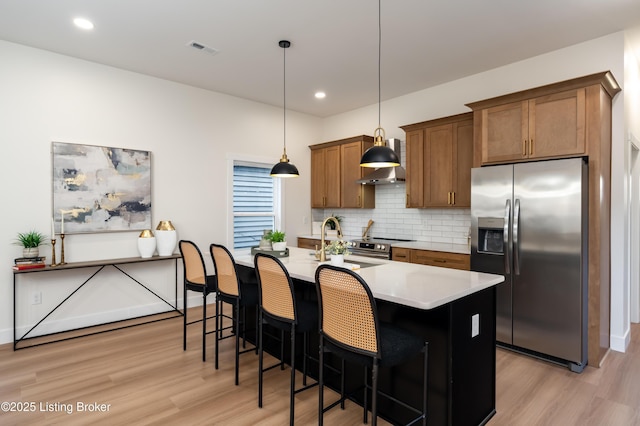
{"x": 49, "y": 97}
{"x": 602, "y": 54}
{"x": 632, "y": 133}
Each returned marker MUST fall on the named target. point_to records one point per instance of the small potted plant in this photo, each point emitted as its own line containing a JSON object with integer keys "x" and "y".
{"x": 338, "y": 249}
{"x": 278, "y": 240}
{"x": 30, "y": 242}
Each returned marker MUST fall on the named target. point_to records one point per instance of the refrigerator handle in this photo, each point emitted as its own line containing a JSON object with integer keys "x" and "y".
{"x": 516, "y": 238}
{"x": 505, "y": 235}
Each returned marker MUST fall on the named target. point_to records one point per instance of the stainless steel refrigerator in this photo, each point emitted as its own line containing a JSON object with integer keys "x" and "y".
{"x": 529, "y": 222}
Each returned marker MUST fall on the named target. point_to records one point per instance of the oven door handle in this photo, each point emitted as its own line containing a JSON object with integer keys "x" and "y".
{"x": 373, "y": 255}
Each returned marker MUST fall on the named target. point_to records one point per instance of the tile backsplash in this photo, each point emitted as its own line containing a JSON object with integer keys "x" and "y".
{"x": 393, "y": 220}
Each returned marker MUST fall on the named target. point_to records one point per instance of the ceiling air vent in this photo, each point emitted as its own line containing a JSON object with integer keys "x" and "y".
{"x": 201, "y": 47}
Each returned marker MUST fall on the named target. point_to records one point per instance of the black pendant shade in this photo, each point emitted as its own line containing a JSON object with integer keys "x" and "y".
{"x": 379, "y": 156}
{"x": 284, "y": 169}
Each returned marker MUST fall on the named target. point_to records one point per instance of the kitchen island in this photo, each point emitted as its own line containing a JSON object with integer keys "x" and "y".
{"x": 453, "y": 310}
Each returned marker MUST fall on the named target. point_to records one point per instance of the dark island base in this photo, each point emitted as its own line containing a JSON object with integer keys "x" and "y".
{"x": 462, "y": 368}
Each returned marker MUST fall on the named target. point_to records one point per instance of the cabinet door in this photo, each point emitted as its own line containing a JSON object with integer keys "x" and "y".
{"x": 308, "y": 243}
{"x": 462, "y": 163}
{"x": 505, "y": 132}
{"x": 415, "y": 168}
{"x": 332, "y": 176}
{"x": 442, "y": 259}
{"x": 401, "y": 254}
{"x": 438, "y": 154}
{"x": 325, "y": 177}
{"x": 318, "y": 183}
{"x": 353, "y": 194}
{"x": 557, "y": 124}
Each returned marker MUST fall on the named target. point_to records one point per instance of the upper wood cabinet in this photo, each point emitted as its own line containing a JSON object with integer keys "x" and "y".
{"x": 439, "y": 159}
{"x": 325, "y": 177}
{"x": 335, "y": 168}
{"x": 543, "y": 127}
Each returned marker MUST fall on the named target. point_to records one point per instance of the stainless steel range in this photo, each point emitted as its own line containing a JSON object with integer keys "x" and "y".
{"x": 379, "y": 248}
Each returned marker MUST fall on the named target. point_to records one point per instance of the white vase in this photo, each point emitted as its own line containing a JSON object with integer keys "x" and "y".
{"x": 166, "y": 238}
{"x": 146, "y": 244}
{"x": 337, "y": 259}
{"x": 281, "y": 246}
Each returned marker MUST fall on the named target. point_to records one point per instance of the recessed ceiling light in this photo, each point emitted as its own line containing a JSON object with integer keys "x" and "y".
{"x": 85, "y": 24}
{"x": 320, "y": 95}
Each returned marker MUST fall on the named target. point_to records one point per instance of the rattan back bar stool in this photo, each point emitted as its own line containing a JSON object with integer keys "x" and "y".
{"x": 280, "y": 308}
{"x": 349, "y": 328}
{"x": 237, "y": 293}
{"x": 196, "y": 279}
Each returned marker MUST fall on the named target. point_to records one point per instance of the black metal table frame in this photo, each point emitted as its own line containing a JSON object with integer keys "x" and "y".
{"x": 101, "y": 265}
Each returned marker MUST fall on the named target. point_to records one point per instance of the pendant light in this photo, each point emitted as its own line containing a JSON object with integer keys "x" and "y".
{"x": 284, "y": 168}
{"x": 379, "y": 155}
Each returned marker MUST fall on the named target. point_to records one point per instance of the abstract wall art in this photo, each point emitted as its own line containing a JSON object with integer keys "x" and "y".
{"x": 100, "y": 189}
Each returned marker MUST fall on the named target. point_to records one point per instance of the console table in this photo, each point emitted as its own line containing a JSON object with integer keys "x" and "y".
{"x": 101, "y": 265}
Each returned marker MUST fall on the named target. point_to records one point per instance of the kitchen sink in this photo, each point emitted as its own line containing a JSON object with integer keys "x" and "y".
{"x": 349, "y": 264}
{"x": 361, "y": 264}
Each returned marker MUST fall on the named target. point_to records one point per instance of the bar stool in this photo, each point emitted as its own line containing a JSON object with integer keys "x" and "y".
{"x": 196, "y": 279}
{"x": 280, "y": 308}
{"x": 237, "y": 293}
{"x": 349, "y": 328}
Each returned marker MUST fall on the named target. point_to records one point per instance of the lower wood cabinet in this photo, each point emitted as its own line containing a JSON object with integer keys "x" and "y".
{"x": 432, "y": 258}
{"x": 311, "y": 243}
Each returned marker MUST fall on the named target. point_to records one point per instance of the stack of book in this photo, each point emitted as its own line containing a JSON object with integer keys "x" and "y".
{"x": 22, "y": 263}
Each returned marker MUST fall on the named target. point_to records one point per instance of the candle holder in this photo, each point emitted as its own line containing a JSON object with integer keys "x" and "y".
{"x": 62, "y": 262}
{"x": 53, "y": 253}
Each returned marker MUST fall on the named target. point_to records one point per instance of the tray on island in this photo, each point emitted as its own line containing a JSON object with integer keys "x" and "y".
{"x": 274, "y": 253}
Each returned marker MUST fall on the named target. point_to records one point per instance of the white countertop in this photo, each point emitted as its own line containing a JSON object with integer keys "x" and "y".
{"x": 418, "y": 286}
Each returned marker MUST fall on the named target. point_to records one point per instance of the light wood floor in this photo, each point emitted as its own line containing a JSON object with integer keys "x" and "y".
{"x": 143, "y": 376}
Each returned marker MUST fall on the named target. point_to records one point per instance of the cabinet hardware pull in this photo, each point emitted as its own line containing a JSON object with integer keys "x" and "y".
{"x": 453, "y": 198}
{"x": 531, "y": 147}
{"x": 359, "y": 201}
{"x": 439, "y": 260}
{"x": 524, "y": 148}
{"x": 448, "y": 198}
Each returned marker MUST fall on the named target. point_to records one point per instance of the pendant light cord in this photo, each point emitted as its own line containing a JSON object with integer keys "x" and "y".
{"x": 284, "y": 92}
{"x": 379, "y": 60}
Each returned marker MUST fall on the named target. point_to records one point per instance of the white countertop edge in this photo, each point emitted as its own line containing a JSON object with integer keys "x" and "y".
{"x": 418, "y": 286}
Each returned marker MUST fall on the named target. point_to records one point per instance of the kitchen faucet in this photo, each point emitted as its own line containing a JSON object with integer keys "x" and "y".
{"x": 323, "y": 255}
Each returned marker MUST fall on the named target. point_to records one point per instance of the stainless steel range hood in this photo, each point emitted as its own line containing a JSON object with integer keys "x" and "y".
{"x": 386, "y": 175}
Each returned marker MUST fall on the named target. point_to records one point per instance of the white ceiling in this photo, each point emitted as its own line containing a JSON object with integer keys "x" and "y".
{"x": 334, "y": 43}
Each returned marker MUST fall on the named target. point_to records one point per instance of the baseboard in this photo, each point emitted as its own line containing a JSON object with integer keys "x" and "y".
{"x": 6, "y": 335}
{"x": 621, "y": 343}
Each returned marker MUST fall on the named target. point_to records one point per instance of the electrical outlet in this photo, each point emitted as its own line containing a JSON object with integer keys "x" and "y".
{"x": 36, "y": 298}
{"x": 475, "y": 325}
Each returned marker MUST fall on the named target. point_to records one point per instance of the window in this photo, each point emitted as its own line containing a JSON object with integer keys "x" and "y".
{"x": 256, "y": 203}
